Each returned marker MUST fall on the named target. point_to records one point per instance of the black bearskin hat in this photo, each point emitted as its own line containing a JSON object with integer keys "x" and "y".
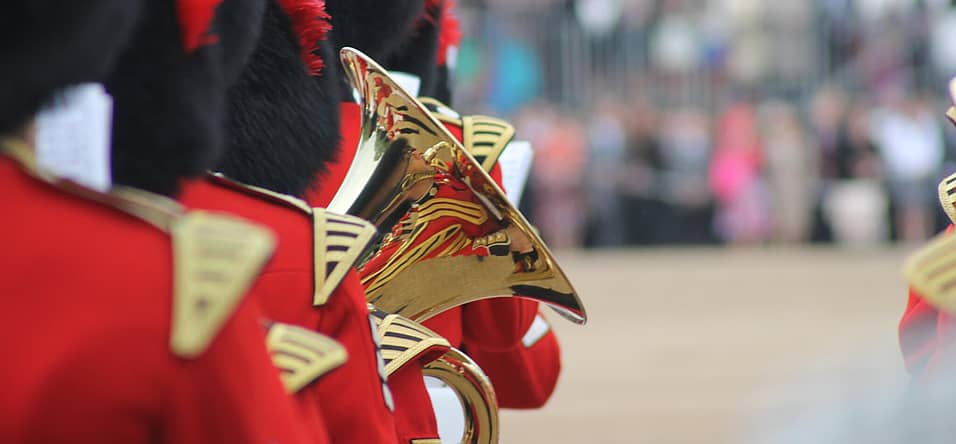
{"x": 424, "y": 51}
{"x": 376, "y": 27}
{"x": 282, "y": 124}
{"x": 169, "y": 89}
{"x": 47, "y": 45}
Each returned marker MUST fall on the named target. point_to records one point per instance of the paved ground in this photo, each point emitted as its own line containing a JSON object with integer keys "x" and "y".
{"x": 702, "y": 345}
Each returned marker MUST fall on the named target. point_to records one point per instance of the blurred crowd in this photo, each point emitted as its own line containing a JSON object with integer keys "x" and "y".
{"x": 721, "y": 121}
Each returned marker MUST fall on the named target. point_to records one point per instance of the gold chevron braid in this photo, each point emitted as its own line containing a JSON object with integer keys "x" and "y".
{"x": 485, "y": 138}
{"x": 339, "y": 243}
{"x": 404, "y": 340}
{"x": 947, "y": 196}
{"x": 216, "y": 258}
{"x": 931, "y": 271}
{"x": 404, "y": 258}
{"x": 438, "y": 207}
{"x": 302, "y": 356}
{"x": 411, "y": 251}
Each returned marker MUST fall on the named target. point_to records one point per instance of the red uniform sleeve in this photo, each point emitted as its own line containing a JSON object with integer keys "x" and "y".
{"x": 495, "y": 174}
{"x": 448, "y": 325}
{"x": 232, "y": 393}
{"x": 355, "y": 400}
{"x": 497, "y": 324}
{"x": 524, "y": 376}
{"x": 414, "y": 415}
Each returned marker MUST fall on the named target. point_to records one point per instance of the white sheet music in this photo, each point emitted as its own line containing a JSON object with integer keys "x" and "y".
{"x": 73, "y": 136}
{"x": 411, "y": 83}
{"x": 515, "y": 164}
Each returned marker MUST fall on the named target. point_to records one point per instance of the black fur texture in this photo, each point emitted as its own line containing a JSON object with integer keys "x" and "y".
{"x": 442, "y": 86}
{"x": 375, "y": 27}
{"x": 418, "y": 53}
{"x": 282, "y": 123}
{"x": 46, "y": 45}
{"x": 168, "y": 117}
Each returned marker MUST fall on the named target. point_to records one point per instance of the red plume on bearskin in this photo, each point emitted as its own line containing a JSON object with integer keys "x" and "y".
{"x": 448, "y": 24}
{"x": 195, "y": 19}
{"x": 311, "y": 25}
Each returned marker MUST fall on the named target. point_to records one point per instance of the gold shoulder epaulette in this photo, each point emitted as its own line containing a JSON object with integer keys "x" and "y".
{"x": 931, "y": 271}
{"x": 216, "y": 258}
{"x": 279, "y": 198}
{"x": 340, "y": 241}
{"x": 302, "y": 356}
{"x": 485, "y": 138}
{"x": 443, "y": 113}
{"x": 404, "y": 340}
{"x": 947, "y": 196}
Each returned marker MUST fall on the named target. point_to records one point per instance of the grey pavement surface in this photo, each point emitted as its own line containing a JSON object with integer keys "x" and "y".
{"x": 719, "y": 345}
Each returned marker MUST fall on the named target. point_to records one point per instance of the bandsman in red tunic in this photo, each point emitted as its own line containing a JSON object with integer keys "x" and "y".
{"x": 927, "y": 330}
{"x": 507, "y": 337}
{"x": 126, "y": 319}
{"x": 282, "y": 128}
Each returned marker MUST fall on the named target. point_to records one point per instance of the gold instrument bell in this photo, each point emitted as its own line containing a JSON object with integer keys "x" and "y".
{"x": 435, "y": 208}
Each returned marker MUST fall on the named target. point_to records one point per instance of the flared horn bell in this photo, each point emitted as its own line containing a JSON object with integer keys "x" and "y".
{"x": 443, "y": 220}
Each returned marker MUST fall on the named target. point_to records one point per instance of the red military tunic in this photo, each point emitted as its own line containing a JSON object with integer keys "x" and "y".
{"x": 927, "y": 335}
{"x": 414, "y": 420}
{"x": 352, "y": 399}
{"x": 87, "y": 358}
{"x": 524, "y": 377}
{"x": 491, "y": 331}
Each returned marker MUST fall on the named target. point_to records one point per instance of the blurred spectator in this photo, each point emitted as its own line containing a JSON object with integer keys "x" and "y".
{"x": 910, "y": 140}
{"x": 790, "y": 171}
{"x": 855, "y": 203}
{"x": 607, "y": 140}
{"x": 675, "y": 44}
{"x": 641, "y": 163}
{"x": 685, "y": 144}
{"x": 675, "y": 166}
{"x": 735, "y": 177}
{"x": 558, "y": 181}
{"x": 943, "y": 41}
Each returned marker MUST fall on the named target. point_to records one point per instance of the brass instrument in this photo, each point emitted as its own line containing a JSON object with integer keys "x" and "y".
{"x": 406, "y": 342}
{"x": 475, "y": 393}
{"x": 425, "y": 261}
